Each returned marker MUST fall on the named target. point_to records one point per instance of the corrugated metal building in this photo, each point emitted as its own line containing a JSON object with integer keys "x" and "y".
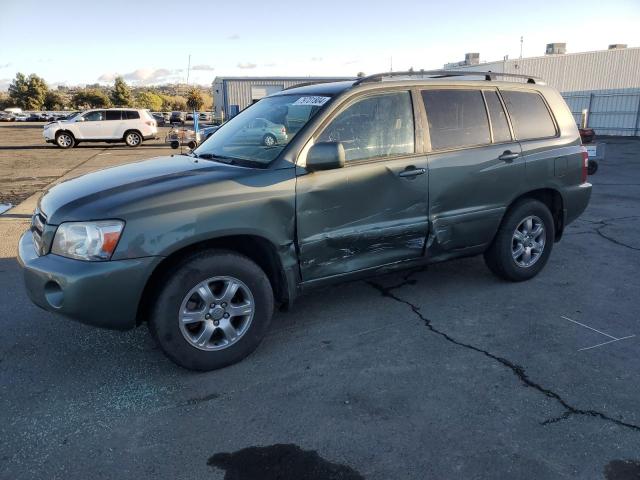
{"x": 606, "y": 83}
{"x": 233, "y": 94}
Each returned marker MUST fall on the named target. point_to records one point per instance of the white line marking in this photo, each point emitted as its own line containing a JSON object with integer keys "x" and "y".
{"x": 590, "y": 328}
{"x": 605, "y": 343}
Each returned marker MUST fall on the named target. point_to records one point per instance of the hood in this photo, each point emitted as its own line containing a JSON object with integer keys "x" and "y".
{"x": 118, "y": 192}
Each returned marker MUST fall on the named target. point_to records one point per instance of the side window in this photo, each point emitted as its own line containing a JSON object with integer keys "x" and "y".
{"x": 529, "y": 115}
{"x": 96, "y": 116}
{"x": 114, "y": 114}
{"x": 499, "y": 123}
{"x": 375, "y": 126}
{"x": 131, "y": 114}
{"x": 457, "y": 118}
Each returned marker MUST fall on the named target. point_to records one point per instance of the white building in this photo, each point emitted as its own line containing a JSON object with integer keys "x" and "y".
{"x": 233, "y": 94}
{"x": 605, "y": 83}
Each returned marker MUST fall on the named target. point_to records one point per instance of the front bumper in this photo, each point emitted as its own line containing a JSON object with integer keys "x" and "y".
{"x": 103, "y": 294}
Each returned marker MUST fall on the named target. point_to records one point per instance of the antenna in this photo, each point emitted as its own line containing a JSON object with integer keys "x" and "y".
{"x": 521, "y": 42}
{"x": 391, "y": 64}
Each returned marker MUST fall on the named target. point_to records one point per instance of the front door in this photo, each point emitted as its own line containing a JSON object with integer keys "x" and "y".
{"x": 93, "y": 125}
{"x": 373, "y": 211}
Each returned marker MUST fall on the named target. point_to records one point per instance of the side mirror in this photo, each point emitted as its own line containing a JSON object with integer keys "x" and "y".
{"x": 325, "y": 156}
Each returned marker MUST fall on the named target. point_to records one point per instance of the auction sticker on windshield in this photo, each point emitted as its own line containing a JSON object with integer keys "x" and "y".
{"x": 313, "y": 101}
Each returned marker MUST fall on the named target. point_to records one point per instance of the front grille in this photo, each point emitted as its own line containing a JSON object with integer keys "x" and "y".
{"x": 38, "y": 222}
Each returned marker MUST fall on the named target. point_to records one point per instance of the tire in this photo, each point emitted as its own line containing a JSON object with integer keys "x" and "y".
{"x": 501, "y": 256}
{"x": 191, "y": 332}
{"x": 592, "y": 167}
{"x": 175, "y": 144}
{"x": 192, "y": 145}
{"x": 65, "y": 140}
{"x": 133, "y": 138}
{"x": 269, "y": 140}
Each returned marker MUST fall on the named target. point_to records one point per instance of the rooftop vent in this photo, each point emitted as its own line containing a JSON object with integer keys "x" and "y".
{"x": 556, "y": 49}
{"x": 615, "y": 46}
{"x": 471, "y": 58}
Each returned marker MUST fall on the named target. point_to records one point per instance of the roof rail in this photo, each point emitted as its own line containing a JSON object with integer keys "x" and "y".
{"x": 316, "y": 82}
{"x": 488, "y": 76}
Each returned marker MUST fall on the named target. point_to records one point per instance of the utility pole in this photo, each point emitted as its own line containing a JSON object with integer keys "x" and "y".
{"x": 188, "y": 69}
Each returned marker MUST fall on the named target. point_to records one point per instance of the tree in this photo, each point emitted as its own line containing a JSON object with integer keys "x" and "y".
{"x": 360, "y": 74}
{"x": 90, "y": 98}
{"x": 194, "y": 99}
{"x": 54, "y": 101}
{"x": 149, "y": 100}
{"x": 28, "y": 92}
{"x": 121, "y": 94}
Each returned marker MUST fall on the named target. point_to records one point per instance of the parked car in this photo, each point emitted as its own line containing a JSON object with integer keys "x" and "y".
{"x": 263, "y": 131}
{"x": 35, "y": 117}
{"x": 207, "y": 131}
{"x": 385, "y": 174}
{"x": 20, "y": 117}
{"x": 7, "y": 117}
{"x": 112, "y": 125}
{"x": 177, "y": 117}
{"x": 159, "y": 118}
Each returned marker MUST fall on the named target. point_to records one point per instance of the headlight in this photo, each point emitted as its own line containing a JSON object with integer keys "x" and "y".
{"x": 87, "y": 240}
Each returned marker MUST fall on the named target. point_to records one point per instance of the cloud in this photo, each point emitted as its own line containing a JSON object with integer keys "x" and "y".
{"x": 316, "y": 59}
{"x": 350, "y": 62}
{"x": 5, "y": 65}
{"x": 203, "y": 68}
{"x": 246, "y": 65}
{"x": 4, "y": 83}
{"x": 235, "y": 36}
{"x": 107, "y": 77}
{"x": 145, "y": 76}
{"x": 270, "y": 65}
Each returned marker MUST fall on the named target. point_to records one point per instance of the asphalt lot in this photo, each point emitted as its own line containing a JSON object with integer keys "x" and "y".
{"x": 441, "y": 373}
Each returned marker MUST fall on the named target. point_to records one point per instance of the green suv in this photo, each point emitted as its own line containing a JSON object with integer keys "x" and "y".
{"x": 365, "y": 176}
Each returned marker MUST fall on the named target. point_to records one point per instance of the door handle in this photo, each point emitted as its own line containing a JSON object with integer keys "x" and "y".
{"x": 508, "y": 156}
{"x": 412, "y": 172}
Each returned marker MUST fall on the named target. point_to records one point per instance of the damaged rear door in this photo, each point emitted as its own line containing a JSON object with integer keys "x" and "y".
{"x": 373, "y": 211}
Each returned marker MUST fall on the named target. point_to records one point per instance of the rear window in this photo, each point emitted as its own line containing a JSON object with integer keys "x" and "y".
{"x": 457, "y": 118}
{"x": 131, "y": 114}
{"x": 499, "y": 123}
{"x": 114, "y": 114}
{"x": 529, "y": 115}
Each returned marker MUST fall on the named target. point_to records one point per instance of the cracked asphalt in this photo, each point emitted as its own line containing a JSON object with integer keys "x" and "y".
{"x": 445, "y": 372}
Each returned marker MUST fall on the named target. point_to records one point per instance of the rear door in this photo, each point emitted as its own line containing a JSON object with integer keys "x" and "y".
{"x": 373, "y": 211}
{"x": 113, "y": 124}
{"x": 475, "y": 165}
{"x": 131, "y": 121}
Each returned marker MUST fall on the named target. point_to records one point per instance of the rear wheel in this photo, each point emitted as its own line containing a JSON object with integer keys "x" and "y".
{"x": 213, "y": 310}
{"x": 269, "y": 140}
{"x": 132, "y": 138}
{"x": 523, "y": 243}
{"x": 65, "y": 140}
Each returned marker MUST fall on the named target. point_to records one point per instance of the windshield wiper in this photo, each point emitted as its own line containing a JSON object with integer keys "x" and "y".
{"x": 243, "y": 162}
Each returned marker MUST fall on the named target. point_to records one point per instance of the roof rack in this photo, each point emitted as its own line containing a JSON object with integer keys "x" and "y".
{"x": 488, "y": 76}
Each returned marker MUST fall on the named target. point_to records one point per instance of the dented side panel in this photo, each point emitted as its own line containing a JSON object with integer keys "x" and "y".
{"x": 470, "y": 190}
{"x": 360, "y": 216}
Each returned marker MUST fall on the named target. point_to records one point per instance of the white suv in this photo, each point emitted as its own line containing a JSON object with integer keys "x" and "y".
{"x": 127, "y": 125}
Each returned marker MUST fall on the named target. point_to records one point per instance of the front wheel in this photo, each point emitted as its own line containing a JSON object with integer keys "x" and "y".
{"x": 523, "y": 243}
{"x": 133, "y": 139}
{"x": 65, "y": 140}
{"x": 213, "y": 310}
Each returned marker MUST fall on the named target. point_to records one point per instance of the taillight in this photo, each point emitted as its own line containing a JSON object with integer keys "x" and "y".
{"x": 585, "y": 164}
{"x": 283, "y": 130}
{"x": 151, "y": 124}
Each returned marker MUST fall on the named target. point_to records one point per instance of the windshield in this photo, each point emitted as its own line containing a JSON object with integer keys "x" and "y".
{"x": 260, "y": 132}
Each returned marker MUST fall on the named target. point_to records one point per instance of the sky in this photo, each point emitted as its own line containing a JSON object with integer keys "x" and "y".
{"x": 81, "y": 42}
